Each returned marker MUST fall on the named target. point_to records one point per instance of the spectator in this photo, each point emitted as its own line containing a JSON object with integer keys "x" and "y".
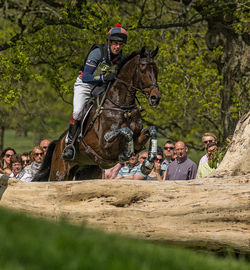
{"x": 168, "y": 153}
{"x": 17, "y": 166}
{"x": 182, "y": 168}
{"x": 207, "y": 138}
{"x": 111, "y": 173}
{"x": 5, "y": 164}
{"x": 132, "y": 170}
{"x": 156, "y": 173}
{"x": 204, "y": 169}
{"x": 37, "y": 155}
{"x": 45, "y": 144}
{"x": 143, "y": 156}
{"x": 26, "y": 159}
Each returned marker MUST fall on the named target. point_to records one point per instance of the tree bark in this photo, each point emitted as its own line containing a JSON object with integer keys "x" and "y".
{"x": 208, "y": 213}
{"x": 233, "y": 64}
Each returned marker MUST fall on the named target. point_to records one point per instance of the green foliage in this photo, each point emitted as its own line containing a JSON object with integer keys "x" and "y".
{"x": 28, "y": 243}
{"x": 42, "y": 49}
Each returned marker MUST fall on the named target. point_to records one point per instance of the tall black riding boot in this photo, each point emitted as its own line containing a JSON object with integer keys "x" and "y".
{"x": 69, "y": 151}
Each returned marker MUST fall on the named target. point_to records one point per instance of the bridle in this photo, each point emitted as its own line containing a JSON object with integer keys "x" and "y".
{"x": 141, "y": 86}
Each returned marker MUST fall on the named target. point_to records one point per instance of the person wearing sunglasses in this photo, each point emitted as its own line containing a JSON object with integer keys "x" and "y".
{"x": 206, "y": 139}
{"x": 168, "y": 151}
{"x": 45, "y": 144}
{"x": 204, "y": 170}
{"x": 143, "y": 156}
{"x": 157, "y": 172}
{"x": 5, "y": 164}
{"x": 26, "y": 159}
{"x": 37, "y": 156}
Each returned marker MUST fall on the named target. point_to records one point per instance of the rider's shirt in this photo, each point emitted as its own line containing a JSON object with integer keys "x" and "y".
{"x": 96, "y": 66}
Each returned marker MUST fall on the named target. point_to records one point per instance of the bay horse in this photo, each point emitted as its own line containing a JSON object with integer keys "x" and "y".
{"x": 113, "y": 129}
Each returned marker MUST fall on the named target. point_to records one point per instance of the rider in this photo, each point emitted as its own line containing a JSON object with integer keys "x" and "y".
{"x": 99, "y": 67}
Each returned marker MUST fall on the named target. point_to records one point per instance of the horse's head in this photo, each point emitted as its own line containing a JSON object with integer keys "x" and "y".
{"x": 146, "y": 76}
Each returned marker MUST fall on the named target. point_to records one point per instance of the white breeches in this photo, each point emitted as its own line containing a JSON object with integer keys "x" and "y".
{"x": 82, "y": 93}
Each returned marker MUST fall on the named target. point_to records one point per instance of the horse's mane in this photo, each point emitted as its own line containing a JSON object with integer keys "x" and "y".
{"x": 127, "y": 59}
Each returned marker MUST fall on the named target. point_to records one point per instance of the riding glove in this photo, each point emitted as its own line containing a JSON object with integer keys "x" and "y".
{"x": 109, "y": 77}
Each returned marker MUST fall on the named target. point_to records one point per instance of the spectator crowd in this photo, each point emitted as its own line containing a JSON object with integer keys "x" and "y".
{"x": 171, "y": 162}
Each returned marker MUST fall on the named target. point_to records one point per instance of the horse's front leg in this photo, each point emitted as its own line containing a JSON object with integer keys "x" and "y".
{"x": 148, "y": 165}
{"x": 128, "y": 149}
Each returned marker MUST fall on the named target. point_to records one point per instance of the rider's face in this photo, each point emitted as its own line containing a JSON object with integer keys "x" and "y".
{"x": 116, "y": 46}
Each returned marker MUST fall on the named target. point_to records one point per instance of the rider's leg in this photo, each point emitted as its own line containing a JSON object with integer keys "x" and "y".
{"x": 82, "y": 93}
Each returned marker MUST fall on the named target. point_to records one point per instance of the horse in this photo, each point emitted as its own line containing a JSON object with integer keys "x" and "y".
{"x": 112, "y": 129}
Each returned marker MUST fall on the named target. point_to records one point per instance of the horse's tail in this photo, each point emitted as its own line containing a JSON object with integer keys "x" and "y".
{"x": 43, "y": 173}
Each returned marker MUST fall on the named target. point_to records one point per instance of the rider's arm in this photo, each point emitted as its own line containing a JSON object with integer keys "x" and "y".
{"x": 92, "y": 62}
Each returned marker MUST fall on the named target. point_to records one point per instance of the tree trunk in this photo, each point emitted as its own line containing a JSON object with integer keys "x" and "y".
{"x": 233, "y": 65}
{"x": 2, "y": 129}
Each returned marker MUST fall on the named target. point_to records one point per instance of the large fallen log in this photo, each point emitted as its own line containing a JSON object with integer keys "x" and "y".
{"x": 212, "y": 213}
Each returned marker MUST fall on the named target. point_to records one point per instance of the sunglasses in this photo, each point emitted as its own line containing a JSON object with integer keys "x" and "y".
{"x": 8, "y": 155}
{"x": 209, "y": 141}
{"x": 169, "y": 148}
{"x": 26, "y": 161}
{"x": 45, "y": 147}
{"x": 38, "y": 154}
{"x": 143, "y": 157}
{"x": 159, "y": 159}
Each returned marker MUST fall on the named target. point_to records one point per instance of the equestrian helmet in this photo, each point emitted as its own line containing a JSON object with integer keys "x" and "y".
{"x": 117, "y": 33}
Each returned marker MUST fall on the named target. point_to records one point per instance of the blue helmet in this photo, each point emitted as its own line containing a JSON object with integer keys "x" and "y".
{"x": 117, "y": 33}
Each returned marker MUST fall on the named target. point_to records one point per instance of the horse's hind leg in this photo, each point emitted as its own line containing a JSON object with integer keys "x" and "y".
{"x": 128, "y": 150}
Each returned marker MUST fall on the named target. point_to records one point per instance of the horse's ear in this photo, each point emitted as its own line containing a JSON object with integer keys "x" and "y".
{"x": 154, "y": 53}
{"x": 142, "y": 51}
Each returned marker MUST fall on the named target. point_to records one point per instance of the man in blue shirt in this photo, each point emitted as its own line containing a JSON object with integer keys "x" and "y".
{"x": 93, "y": 73}
{"x": 182, "y": 168}
{"x": 132, "y": 170}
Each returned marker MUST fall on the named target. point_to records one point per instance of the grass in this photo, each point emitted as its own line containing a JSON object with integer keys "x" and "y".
{"x": 30, "y": 243}
{"x": 19, "y": 143}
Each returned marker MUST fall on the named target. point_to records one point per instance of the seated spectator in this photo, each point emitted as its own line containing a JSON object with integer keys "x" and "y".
{"x": 26, "y": 159}
{"x": 17, "y": 166}
{"x": 156, "y": 173}
{"x": 132, "y": 170}
{"x": 45, "y": 144}
{"x": 37, "y": 156}
{"x": 182, "y": 168}
{"x": 5, "y": 164}
{"x": 205, "y": 169}
{"x": 207, "y": 138}
{"x": 143, "y": 156}
{"x": 111, "y": 173}
{"x": 168, "y": 151}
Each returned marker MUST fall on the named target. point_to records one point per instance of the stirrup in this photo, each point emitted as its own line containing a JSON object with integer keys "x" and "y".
{"x": 72, "y": 147}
